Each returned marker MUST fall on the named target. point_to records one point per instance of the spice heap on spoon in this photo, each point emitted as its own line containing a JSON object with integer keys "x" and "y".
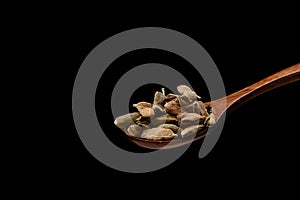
{"x": 168, "y": 116}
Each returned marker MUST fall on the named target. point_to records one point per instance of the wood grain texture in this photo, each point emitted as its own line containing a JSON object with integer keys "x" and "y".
{"x": 236, "y": 99}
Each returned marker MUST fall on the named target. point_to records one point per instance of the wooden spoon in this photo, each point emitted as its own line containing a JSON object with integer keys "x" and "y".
{"x": 220, "y": 106}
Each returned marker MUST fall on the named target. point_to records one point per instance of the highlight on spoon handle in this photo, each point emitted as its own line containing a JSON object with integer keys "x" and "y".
{"x": 278, "y": 79}
{"x": 283, "y": 77}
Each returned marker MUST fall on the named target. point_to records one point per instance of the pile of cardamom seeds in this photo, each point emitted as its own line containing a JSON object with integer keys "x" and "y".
{"x": 172, "y": 115}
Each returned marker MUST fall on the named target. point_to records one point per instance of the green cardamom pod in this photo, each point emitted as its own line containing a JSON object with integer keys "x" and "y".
{"x": 125, "y": 121}
{"x": 135, "y": 130}
{"x": 158, "y": 134}
{"x": 158, "y": 98}
{"x": 144, "y": 108}
{"x": 164, "y": 119}
{"x": 173, "y": 107}
{"x": 172, "y": 127}
{"x": 191, "y": 130}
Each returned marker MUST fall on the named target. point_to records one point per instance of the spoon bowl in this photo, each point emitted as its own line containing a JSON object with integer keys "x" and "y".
{"x": 159, "y": 144}
{"x": 222, "y": 105}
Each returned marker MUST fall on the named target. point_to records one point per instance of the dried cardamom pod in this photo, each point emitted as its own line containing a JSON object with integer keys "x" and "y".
{"x": 135, "y": 130}
{"x": 189, "y": 117}
{"x": 125, "y": 121}
{"x": 158, "y": 98}
{"x": 164, "y": 119}
{"x": 185, "y": 90}
{"x": 170, "y": 97}
{"x": 191, "y": 130}
{"x": 158, "y": 134}
{"x": 184, "y": 100}
{"x": 144, "y": 108}
{"x": 173, "y": 127}
{"x": 158, "y": 110}
{"x": 173, "y": 107}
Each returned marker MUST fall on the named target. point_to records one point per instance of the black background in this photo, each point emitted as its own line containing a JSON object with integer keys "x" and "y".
{"x": 40, "y": 143}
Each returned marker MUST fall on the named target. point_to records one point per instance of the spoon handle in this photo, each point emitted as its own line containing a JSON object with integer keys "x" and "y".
{"x": 283, "y": 77}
